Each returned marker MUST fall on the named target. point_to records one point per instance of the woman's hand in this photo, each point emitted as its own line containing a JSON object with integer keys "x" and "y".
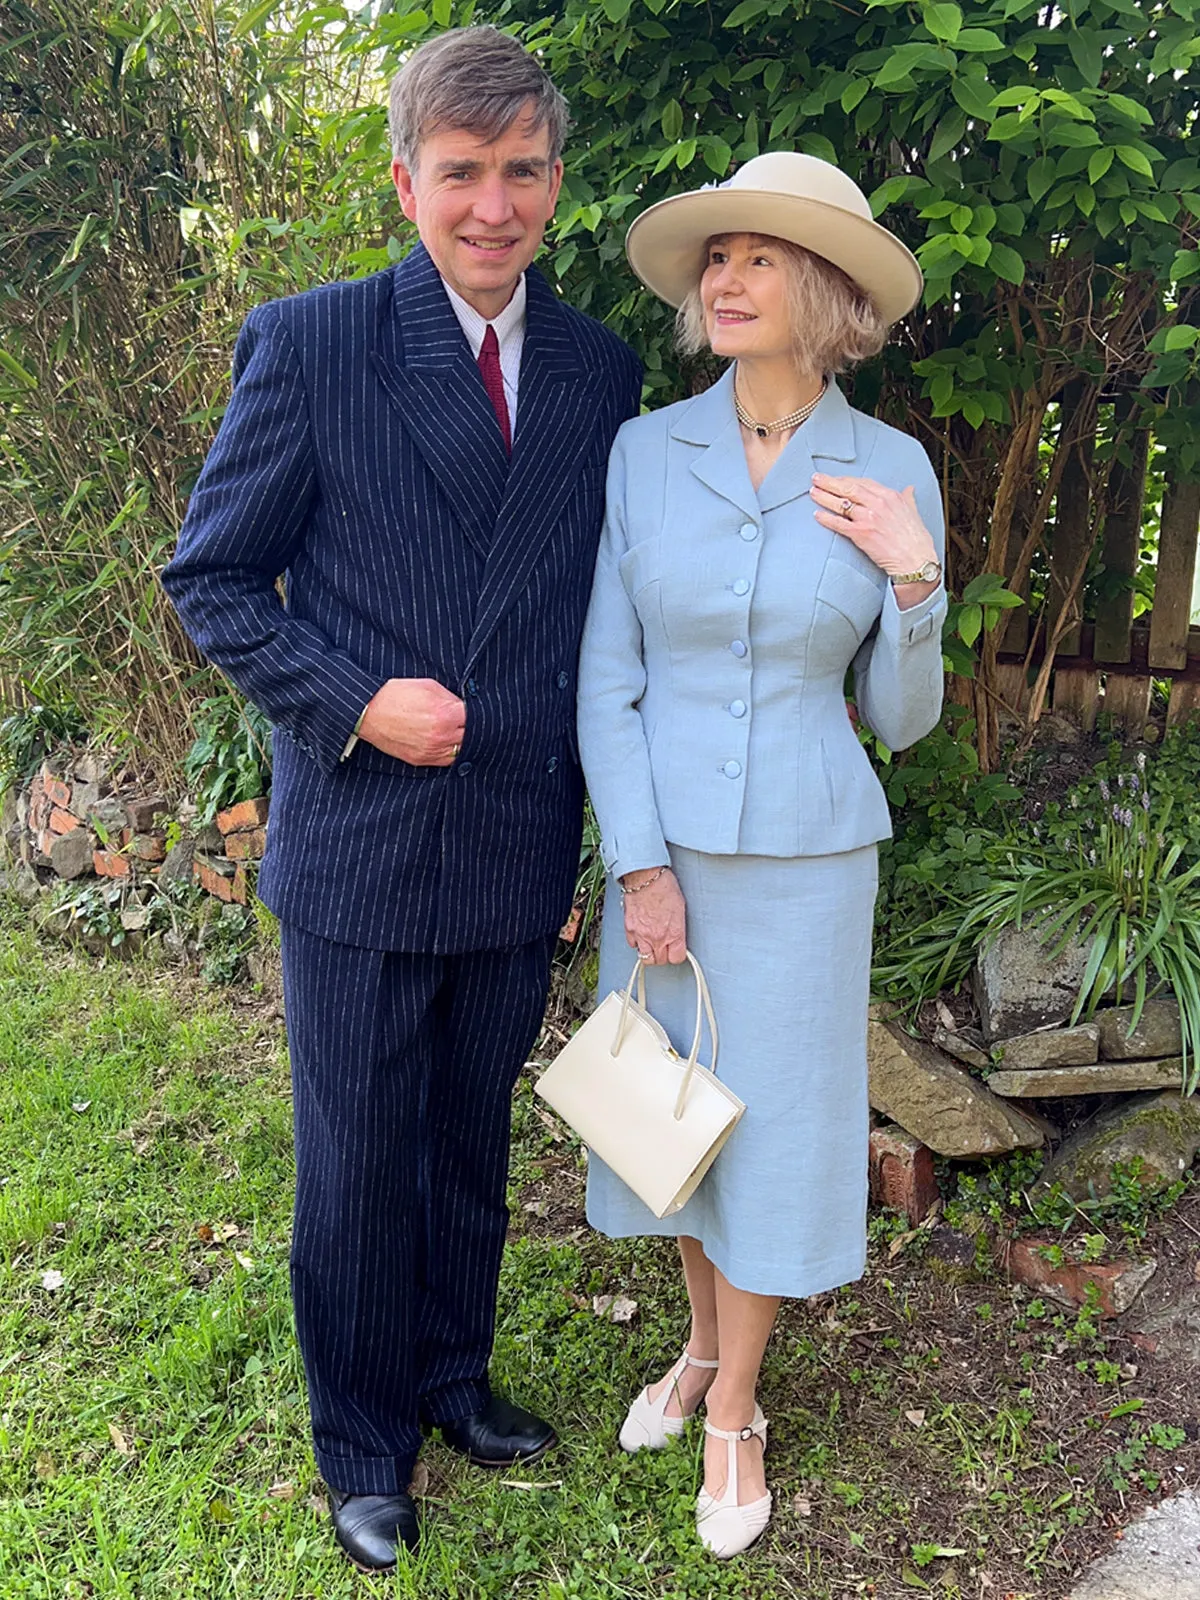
{"x": 655, "y": 917}
{"x": 884, "y": 523}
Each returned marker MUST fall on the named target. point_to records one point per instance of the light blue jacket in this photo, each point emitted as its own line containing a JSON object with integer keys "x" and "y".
{"x": 721, "y": 625}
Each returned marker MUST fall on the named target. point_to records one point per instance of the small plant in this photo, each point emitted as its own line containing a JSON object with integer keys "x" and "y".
{"x": 28, "y": 736}
{"x": 229, "y": 760}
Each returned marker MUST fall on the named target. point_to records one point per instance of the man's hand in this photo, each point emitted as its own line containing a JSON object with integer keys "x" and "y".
{"x": 416, "y": 720}
{"x": 656, "y": 918}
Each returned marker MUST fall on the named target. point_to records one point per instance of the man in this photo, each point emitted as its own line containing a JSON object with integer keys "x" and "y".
{"x": 422, "y": 454}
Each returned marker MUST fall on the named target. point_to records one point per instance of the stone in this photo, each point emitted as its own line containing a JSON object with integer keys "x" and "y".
{"x": 901, "y": 1173}
{"x": 71, "y": 854}
{"x": 177, "y": 868}
{"x": 1019, "y": 987}
{"x": 246, "y": 814}
{"x": 108, "y": 819}
{"x": 147, "y": 846}
{"x": 91, "y": 767}
{"x": 1163, "y": 1130}
{"x": 962, "y": 1049}
{"x": 21, "y": 882}
{"x": 932, "y": 1097}
{"x": 1101, "y": 1077}
{"x": 1158, "y": 1032}
{"x": 85, "y": 797}
{"x": 1158, "y": 1557}
{"x": 1050, "y": 1047}
{"x": 1115, "y": 1284}
{"x": 210, "y": 840}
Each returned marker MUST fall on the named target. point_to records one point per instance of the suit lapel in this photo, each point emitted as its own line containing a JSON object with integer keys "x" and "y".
{"x": 424, "y": 363}
{"x": 556, "y": 421}
{"x": 827, "y": 435}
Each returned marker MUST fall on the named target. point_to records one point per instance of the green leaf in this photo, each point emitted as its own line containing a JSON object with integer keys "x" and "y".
{"x": 1007, "y": 264}
{"x": 891, "y": 190}
{"x": 250, "y": 20}
{"x": 973, "y": 413}
{"x": 1133, "y": 158}
{"x": 1041, "y": 176}
{"x": 970, "y": 617}
{"x": 744, "y": 13}
{"x": 1098, "y": 164}
{"x": 855, "y": 92}
{"x": 943, "y": 20}
{"x": 973, "y": 94}
{"x": 978, "y": 39}
{"x": 1181, "y": 337}
{"x": 13, "y": 367}
{"x": 717, "y": 156}
{"x": 672, "y": 120}
{"x": 1087, "y": 52}
{"x": 440, "y": 12}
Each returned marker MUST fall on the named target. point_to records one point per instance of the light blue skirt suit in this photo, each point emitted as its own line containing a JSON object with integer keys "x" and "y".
{"x": 714, "y": 736}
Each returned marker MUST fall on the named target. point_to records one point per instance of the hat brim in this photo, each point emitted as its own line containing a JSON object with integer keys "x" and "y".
{"x": 665, "y": 243}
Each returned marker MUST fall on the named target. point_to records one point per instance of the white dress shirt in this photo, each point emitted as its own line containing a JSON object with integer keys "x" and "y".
{"x": 510, "y": 335}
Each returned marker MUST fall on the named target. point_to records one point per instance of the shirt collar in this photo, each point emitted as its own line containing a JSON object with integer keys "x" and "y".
{"x": 508, "y": 325}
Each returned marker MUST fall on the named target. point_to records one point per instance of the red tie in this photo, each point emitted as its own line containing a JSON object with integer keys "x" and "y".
{"x": 493, "y": 382}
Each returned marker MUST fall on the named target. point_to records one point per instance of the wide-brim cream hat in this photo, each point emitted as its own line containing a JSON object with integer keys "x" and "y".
{"x": 789, "y": 196}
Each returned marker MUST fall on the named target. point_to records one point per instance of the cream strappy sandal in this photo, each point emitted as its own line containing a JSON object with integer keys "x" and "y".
{"x": 725, "y": 1527}
{"x": 646, "y": 1425}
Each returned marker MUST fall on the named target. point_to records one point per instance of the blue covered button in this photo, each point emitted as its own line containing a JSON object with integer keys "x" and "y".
{"x": 742, "y": 586}
{"x": 748, "y": 531}
{"x": 738, "y": 647}
{"x": 732, "y": 769}
{"x": 737, "y": 708}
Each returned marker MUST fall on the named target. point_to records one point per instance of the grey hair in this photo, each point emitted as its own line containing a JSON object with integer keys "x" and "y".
{"x": 835, "y": 323}
{"x": 473, "y": 78}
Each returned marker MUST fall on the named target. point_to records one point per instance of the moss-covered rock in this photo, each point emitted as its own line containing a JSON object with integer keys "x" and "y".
{"x": 1160, "y": 1130}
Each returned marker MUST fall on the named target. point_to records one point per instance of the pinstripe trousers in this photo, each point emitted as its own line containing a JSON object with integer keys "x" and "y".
{"x": 403, "y": 1066}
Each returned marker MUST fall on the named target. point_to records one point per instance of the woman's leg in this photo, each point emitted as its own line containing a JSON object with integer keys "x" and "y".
{"x": 702, "y": 1341}
{"x": 744, "y": 1323}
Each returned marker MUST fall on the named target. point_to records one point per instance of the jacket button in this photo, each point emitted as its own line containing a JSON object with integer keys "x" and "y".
{"x": 737, "y": 708}
{"x": 742, "y": 586}
{"x": 738, "y": 647}
{"x": 463, "y": 768}
{"x": 732, "y": 769}
{"x": 472, "y": 686}
{"x": 552, "y": 764}
{"x": 748, "y": 531}
{"x": 562, "y": 680}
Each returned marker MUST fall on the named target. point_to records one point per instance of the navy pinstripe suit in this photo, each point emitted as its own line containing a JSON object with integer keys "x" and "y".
{"x": 361, "y": 458}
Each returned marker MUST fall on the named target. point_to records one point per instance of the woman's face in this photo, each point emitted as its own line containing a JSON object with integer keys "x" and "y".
{"x": 744, "y": 294}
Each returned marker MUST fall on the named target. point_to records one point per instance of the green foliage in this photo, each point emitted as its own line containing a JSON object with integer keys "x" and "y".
{"x": 1121, "y": 886}
{"x": 229, "y": 760}
{"x": 28, "y": 736}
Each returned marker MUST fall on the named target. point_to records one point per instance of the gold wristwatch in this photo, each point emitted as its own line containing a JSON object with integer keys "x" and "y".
{"x": 929, "y": 573}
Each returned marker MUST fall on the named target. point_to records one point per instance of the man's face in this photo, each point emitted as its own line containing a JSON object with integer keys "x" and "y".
{"x": 481, "y": 209}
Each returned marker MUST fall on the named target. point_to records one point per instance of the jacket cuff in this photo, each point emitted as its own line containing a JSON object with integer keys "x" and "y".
{"x": 635, "y": 854}
{"x": 917, "y": 622}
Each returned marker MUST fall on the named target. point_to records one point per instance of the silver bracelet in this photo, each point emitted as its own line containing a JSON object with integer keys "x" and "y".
{"x": 637, "y": 888}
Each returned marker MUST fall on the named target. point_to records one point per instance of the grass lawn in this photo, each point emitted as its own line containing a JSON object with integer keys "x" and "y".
{"x": 927, "y": 1437}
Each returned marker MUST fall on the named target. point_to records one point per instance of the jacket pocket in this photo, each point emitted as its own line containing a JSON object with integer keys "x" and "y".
{"x": 854, "y": 594}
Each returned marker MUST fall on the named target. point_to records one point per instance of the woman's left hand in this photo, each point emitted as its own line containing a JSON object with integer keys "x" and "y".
{"x": 884, "y": 523}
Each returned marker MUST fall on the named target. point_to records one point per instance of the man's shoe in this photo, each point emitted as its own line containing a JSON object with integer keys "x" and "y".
{"x": 371, "y": 1527}
{"x": 499, "y": 1435}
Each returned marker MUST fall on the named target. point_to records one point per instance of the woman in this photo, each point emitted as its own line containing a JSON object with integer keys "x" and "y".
{"x": 760, "y": 540}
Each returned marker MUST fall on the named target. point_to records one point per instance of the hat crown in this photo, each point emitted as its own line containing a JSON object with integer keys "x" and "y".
{"x": 806, "y": 177}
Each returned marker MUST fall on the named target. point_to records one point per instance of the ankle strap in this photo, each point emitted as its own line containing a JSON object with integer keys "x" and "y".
{"x": 755, "y": 1429}
{"x": 695, "y": 1361}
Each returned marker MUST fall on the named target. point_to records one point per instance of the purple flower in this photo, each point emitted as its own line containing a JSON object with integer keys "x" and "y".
{"x": 1146, "y": 801}
{"x": 1104, "y": 791}
{"x": 1120, "y": 780}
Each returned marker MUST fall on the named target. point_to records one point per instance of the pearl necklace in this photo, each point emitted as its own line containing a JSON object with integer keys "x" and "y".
{"x": 792, "y": 420}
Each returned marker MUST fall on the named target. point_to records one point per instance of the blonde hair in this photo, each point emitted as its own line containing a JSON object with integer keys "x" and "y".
{"x": 835, "y": 324}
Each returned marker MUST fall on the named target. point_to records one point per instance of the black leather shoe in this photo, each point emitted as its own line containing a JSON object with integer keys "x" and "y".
{"x": 371, "y": 1527}
{"x": 499, "y": 1435}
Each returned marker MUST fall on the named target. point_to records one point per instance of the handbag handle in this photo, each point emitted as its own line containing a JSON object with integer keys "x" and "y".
{"x": 704, "y": 1008}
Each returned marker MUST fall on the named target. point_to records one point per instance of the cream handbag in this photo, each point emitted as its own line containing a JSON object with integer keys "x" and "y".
{"x": 657, "y": 1120}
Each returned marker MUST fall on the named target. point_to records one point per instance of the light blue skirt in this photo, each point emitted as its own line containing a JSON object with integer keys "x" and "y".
{"x": 786, "y": 947}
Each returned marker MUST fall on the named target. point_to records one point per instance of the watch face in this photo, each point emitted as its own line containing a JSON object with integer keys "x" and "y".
{"x": 931, "y": 571}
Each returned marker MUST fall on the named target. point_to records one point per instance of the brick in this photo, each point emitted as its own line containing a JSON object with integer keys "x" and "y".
{"x": 39, "y": 805}
{"x": 569, "y": 931}
{"x": 142, "y": 813}
{"x": 147, "y": 846}
{"x": 240, "y": 892}
{"x": 248, "y": 844}
{"x": 107, "y": 864}
{"x": 902, "y": 1175}
{"x": 62, "y": 821}
{"x": 246, "y": 814}
{"x": 58, "y": 792}
{"x": 1117, "y": 1283}
{"x": 210, "y": 879}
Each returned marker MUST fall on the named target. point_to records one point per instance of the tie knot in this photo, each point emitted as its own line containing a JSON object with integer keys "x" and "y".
{"x": 491, "y": 344}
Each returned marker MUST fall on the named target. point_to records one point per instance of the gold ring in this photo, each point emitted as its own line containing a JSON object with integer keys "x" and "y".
{"x": 454, "y": 751}
{"x": 847, "y": 507}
